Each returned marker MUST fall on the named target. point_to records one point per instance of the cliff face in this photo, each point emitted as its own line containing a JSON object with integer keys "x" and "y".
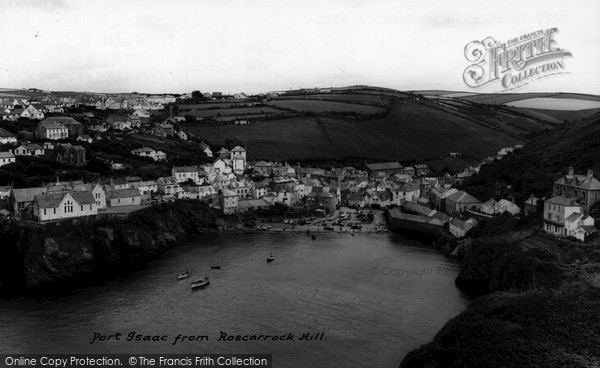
{"x": 35, "y": 256}
{"x": 540, "y": 305}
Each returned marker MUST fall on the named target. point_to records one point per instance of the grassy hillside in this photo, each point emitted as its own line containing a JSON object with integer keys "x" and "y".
{"x": 414, "y": 128}
{"x": 543, "y": 160}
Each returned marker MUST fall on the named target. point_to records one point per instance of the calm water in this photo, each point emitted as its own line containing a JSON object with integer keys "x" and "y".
{"x": 333, "y": 285}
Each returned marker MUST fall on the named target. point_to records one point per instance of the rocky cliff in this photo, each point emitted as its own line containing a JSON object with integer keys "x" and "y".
{"x": 37, "y": 256}
{"x": 537, "y": 306}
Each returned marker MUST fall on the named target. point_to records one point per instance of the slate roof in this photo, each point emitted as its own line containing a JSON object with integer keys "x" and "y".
{"x": 6, "y": 155}
{"x": 26, "y": 194}
{"x": 64, "y": 120}
{"x": 562, "y": 201}
{"x": 384, "y": 166}
{"x": 6, "y": 133}
{"x": 580, "y": 182}
{"x": 462, "y": 197}
{"x": 124, "y": 193}
{"x": 53, "y": 200}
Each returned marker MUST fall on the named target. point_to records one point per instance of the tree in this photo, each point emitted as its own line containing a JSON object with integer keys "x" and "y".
{"x": 196, "y": 94}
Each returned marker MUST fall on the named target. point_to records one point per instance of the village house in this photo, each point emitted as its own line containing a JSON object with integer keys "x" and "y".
{"x": 196, "y": 192}
{"x": 438, "y": 197}
{"x": 421, "y": 170}
{"x": 460, "y": 228}
{"x": 62, "y": 205}
{"x": 74, "y": 127}
{"x": 357, "y": 199}
{"x": 182, "y": 135}
{"x": 163, "y": 130}
{"x": 51, "y": 130}
{"x": 461, "y": 201}
{"x": 531, "y": 205}
{"x": 7, "y": 137}
{"x": 6, "y": 158}
{"x": 245, "y": 205}
{"x": 85, "y": 138}
{"x": 145, "y": 187}
{"x": 5, "y": 192}
{"x": 141, "y": 113}
{"x": 30, "y": 112}
{"x": 168, "y": 185}
{"x": 98, "y": 192}
{"x": 406, "y": 192}
{"x": 565, "y": 217}
{"x": 238, "y": 159}
{"x": 260, "y": 189}
{"x": 187, "y": 173}
{"x": 263, "y": 168}
{"x": 149, "y": 152}
{"x": 322, "y": 200}
{"x": 585, "y": 189}
{"x": 229, "y": 202}
{"x": 124, "y": 197}
{"x": 21, "y": 199}
{"x": 68, "y": 154}
{"x": 242, "y": 188}
{"x": 206, "y": 149}
{"x": 387, "y": 168}
{"x": 29, "y": 150}
{"x": 97, "y": 126}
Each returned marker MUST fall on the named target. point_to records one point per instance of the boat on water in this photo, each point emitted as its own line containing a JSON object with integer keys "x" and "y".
{"x": 200, "y": 282}
{"x": 215, "y": 267}
{"x": 270, "y": 258}
{"x": 183, "y": 275}
{"x": 314, "y": 237}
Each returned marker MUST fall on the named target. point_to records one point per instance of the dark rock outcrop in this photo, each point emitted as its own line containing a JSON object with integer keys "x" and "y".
{"x": 35, "y": 256}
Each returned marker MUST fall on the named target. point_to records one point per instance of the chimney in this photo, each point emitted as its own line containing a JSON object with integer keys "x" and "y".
{"x": 590, "y": 174}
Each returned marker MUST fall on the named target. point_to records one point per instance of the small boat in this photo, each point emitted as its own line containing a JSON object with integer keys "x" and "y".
{"x": 314, "y": 237}
{"x": 183, "y": 275}
{"x": 200, "y": 282}
{"x": 215, "y": 267}
{"x": 270, "y": 258}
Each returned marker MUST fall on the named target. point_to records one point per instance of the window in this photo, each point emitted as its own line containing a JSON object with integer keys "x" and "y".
{"x": 44, "y": 211}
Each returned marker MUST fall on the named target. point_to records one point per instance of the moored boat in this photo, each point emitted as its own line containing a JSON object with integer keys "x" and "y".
{"x": 183, "y": 275}
{"x": 200, "y": 282}
{"x": 270, "y": 258}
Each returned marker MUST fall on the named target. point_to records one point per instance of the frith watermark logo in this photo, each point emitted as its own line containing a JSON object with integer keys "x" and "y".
{"x": 516, "y": 62}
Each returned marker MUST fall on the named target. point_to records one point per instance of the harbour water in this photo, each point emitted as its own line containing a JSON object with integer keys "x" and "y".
{"x": 373, "y": 297}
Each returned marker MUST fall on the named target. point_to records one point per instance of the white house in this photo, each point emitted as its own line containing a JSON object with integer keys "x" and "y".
{"x": 29, "y": 150}
{"x": 168, "y": 185}
{"x": 125, "y": 197}
{"x": 149, "y": 152}
{"x": 460, "y": 228}
{"x": 145, "y": 187}
{"x": 62, "y": 205}
{"x": 409, "y": 192}
{"x": 186, "y": 173}
{"x": 6, "y": 158}
{"x": 51, "y": 130}
{"x": 141, "y": 113}
{"x": 7, "y": 137}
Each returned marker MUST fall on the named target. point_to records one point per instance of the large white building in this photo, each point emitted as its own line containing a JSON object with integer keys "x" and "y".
{"x": 62, "y": 205}
{"x": 51, "y": 130}
{"x": 565, "y": 217}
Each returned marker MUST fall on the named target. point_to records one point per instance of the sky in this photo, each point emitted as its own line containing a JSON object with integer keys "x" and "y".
{"x": 256, "y": 46}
